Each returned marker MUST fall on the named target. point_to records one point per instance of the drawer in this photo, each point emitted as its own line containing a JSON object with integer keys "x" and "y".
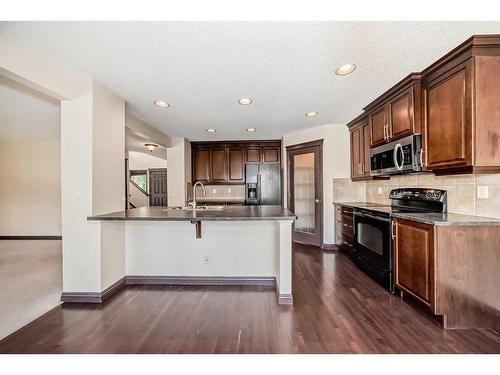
{"x": 345, "y": 237}
{"x": 344, "y": 228}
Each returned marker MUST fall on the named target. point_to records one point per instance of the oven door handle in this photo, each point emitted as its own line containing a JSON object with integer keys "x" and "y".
{"x": 398, "y": 148}
{"x": 356, "y": 213}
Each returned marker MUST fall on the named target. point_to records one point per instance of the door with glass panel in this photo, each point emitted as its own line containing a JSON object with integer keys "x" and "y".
{"x": 305, "y": 191}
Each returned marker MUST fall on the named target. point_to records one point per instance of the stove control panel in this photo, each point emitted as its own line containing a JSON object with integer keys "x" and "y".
{"x": 418, "y": 194}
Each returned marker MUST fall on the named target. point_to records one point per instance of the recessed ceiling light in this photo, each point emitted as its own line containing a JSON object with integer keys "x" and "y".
{"x": 211, "y": 130}
{"x": 161, "y": 104}
{"x": 311, "y": 114}
{"x": 251, "y": 130}
{"x": 345, "y": 69}
{"x": 245, "y": 101}
{"x": 151, "y": 146}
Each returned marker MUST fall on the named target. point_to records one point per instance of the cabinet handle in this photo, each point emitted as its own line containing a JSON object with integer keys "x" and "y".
{"x": 385, "y": 137}
{"x": 393, "y": 227}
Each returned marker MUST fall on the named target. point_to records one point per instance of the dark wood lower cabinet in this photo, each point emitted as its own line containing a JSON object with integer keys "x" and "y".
{"x": 452, "y": 270}
{"x": 414, "y": 259}
{"x": 344, "y": 229}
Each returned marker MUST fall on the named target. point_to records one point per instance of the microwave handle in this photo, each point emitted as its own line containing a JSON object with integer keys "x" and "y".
{"x": 397, "y": 148}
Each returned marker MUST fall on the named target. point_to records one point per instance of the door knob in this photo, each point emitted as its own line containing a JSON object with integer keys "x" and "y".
{"x": 316, "y": 200}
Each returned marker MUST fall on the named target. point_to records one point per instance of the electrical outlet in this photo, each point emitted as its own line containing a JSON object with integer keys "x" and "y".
{"x": 482, "y": 192}
{"x": 81, "y": 273}
{"x": 214, "y": 191}
{"x": 206, "y": 259}
{"x": 229, "y": 191}
{"x": 379, "y": 191}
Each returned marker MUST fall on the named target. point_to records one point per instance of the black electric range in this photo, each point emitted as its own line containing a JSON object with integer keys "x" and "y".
{"x": 373, "y": 231}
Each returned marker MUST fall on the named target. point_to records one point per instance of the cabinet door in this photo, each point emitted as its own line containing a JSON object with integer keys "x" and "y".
{"x": 253, "y": 154}
{"x": 414, "y": 259}
{"x": 271, "y": 154}
{"x": 356, "y": 143}
{"x": 401, "y": 115}
{"x": 236, "y": 165}
{"x": 378, "y": 122}
{"x": 219, "y": 165}
{"x": 448, "y": 119}
{"x": 201, "y": 165}
{"x": 365, "y": 164}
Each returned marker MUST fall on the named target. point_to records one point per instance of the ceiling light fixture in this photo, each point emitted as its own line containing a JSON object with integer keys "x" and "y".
{"x": 251, "y": 130}
{"x": 211, "y": 130}
{"x": 161, "y": 104}
{"x": 345, "y": 69}
{"x": 311, "y": 114}
{"x": 151, "y": 146}
{"x": 245, "y": 101}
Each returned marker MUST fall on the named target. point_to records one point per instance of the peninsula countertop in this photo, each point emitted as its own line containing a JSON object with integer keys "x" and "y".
{"x": 230, "y": 213}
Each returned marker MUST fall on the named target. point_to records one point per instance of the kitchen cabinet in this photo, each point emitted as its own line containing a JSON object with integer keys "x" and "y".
{"x": 462, "y": 109}
{"x": 397, "y": 112}
{"x": 219, "y": 165}
{"x": 344, "y": 229}
{"x": 414, "y": 259}
{"x": 360, "y": 148}
{"x": 201, "y": 164}
{"x": 224, "y": 162}
{"x": 452, "y": 270}
{"x": 236, "y": 165}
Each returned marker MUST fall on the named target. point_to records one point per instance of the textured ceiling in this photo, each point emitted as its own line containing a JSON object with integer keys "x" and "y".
{"x": 27, "y": 115}
{"x": 203, "y": 68}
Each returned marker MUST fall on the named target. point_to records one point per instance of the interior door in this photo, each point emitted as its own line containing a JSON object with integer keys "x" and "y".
{"x": 158, "y": 187}
{"x": 305, "y": 191}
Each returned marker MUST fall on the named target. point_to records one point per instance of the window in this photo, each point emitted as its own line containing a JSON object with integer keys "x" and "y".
{"x": 140, "y": 178}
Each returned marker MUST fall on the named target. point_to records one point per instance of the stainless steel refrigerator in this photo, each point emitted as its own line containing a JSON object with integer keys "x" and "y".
{"x": 263, "y": 184}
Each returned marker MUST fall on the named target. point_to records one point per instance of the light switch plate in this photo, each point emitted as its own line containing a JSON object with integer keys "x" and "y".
{"x": 379, "y": 191}
{"x": 482, "y": 192}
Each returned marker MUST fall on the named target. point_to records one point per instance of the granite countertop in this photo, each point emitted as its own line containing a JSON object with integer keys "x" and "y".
{"x": 432, "y": 218}
{"x": 231, "y": 213}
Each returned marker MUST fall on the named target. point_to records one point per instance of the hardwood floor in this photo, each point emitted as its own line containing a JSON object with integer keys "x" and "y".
{"x": 337, "y": 309}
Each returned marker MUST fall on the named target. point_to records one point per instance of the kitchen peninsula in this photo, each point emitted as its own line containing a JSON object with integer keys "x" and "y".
{"x": 245, "y": 245}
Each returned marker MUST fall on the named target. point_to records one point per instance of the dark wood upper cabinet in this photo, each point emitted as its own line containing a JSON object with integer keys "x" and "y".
{"x": 454, "y": 104}
{"x": 271, "y": 154}
{"x": 201, "y": 164}
{"x": 397, "y": 112}
{"x": 378, "y": 126}
{"x": 236, "y": 165}
{"x": 462, "y": 109}
{"x": 360, "y": 147}
{"x": 414, "y": 259}
{"x": 224, "y": 162}
{"x": 253, "y": 154}
{"x": 219, "y": 165}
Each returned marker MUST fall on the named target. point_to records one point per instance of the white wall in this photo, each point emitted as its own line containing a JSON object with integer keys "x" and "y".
{"x": 30, "y": 188}
{"x": 140, "y": 161}
{"x": 336, "y": 156}
{"x": 178, "y": 171}
{"x": 171, "y": 248}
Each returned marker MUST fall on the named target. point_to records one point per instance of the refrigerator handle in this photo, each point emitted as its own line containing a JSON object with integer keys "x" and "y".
{"x": 259, "y": 186}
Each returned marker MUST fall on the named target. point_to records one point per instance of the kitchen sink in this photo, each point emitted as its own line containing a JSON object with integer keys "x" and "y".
{"x": 198, "y": 208}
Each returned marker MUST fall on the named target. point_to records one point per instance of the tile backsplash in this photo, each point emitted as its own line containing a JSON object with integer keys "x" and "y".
{"x": 222, "y": 192}
{"x": 462, "y": 191}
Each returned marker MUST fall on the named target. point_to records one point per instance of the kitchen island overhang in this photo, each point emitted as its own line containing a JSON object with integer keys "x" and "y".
{"x": 247, "y": 245}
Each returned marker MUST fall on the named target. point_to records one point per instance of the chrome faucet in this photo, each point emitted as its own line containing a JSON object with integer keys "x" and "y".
{"x": 194, "y": 192}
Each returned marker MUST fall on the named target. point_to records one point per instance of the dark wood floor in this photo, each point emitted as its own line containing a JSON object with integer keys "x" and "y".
{"x": 337, "y": 309}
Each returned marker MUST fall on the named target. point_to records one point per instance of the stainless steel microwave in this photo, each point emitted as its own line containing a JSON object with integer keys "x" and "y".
{"x": 401, "y": 156}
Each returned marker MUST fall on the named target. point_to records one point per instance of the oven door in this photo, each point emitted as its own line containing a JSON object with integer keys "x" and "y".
{"x": 372, "y": 240}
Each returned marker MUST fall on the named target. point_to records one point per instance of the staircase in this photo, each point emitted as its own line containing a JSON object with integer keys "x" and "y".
{"x": 137, "y": 196}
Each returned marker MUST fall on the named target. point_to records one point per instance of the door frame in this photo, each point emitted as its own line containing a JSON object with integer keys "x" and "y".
{"x": 308, "y": 147}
